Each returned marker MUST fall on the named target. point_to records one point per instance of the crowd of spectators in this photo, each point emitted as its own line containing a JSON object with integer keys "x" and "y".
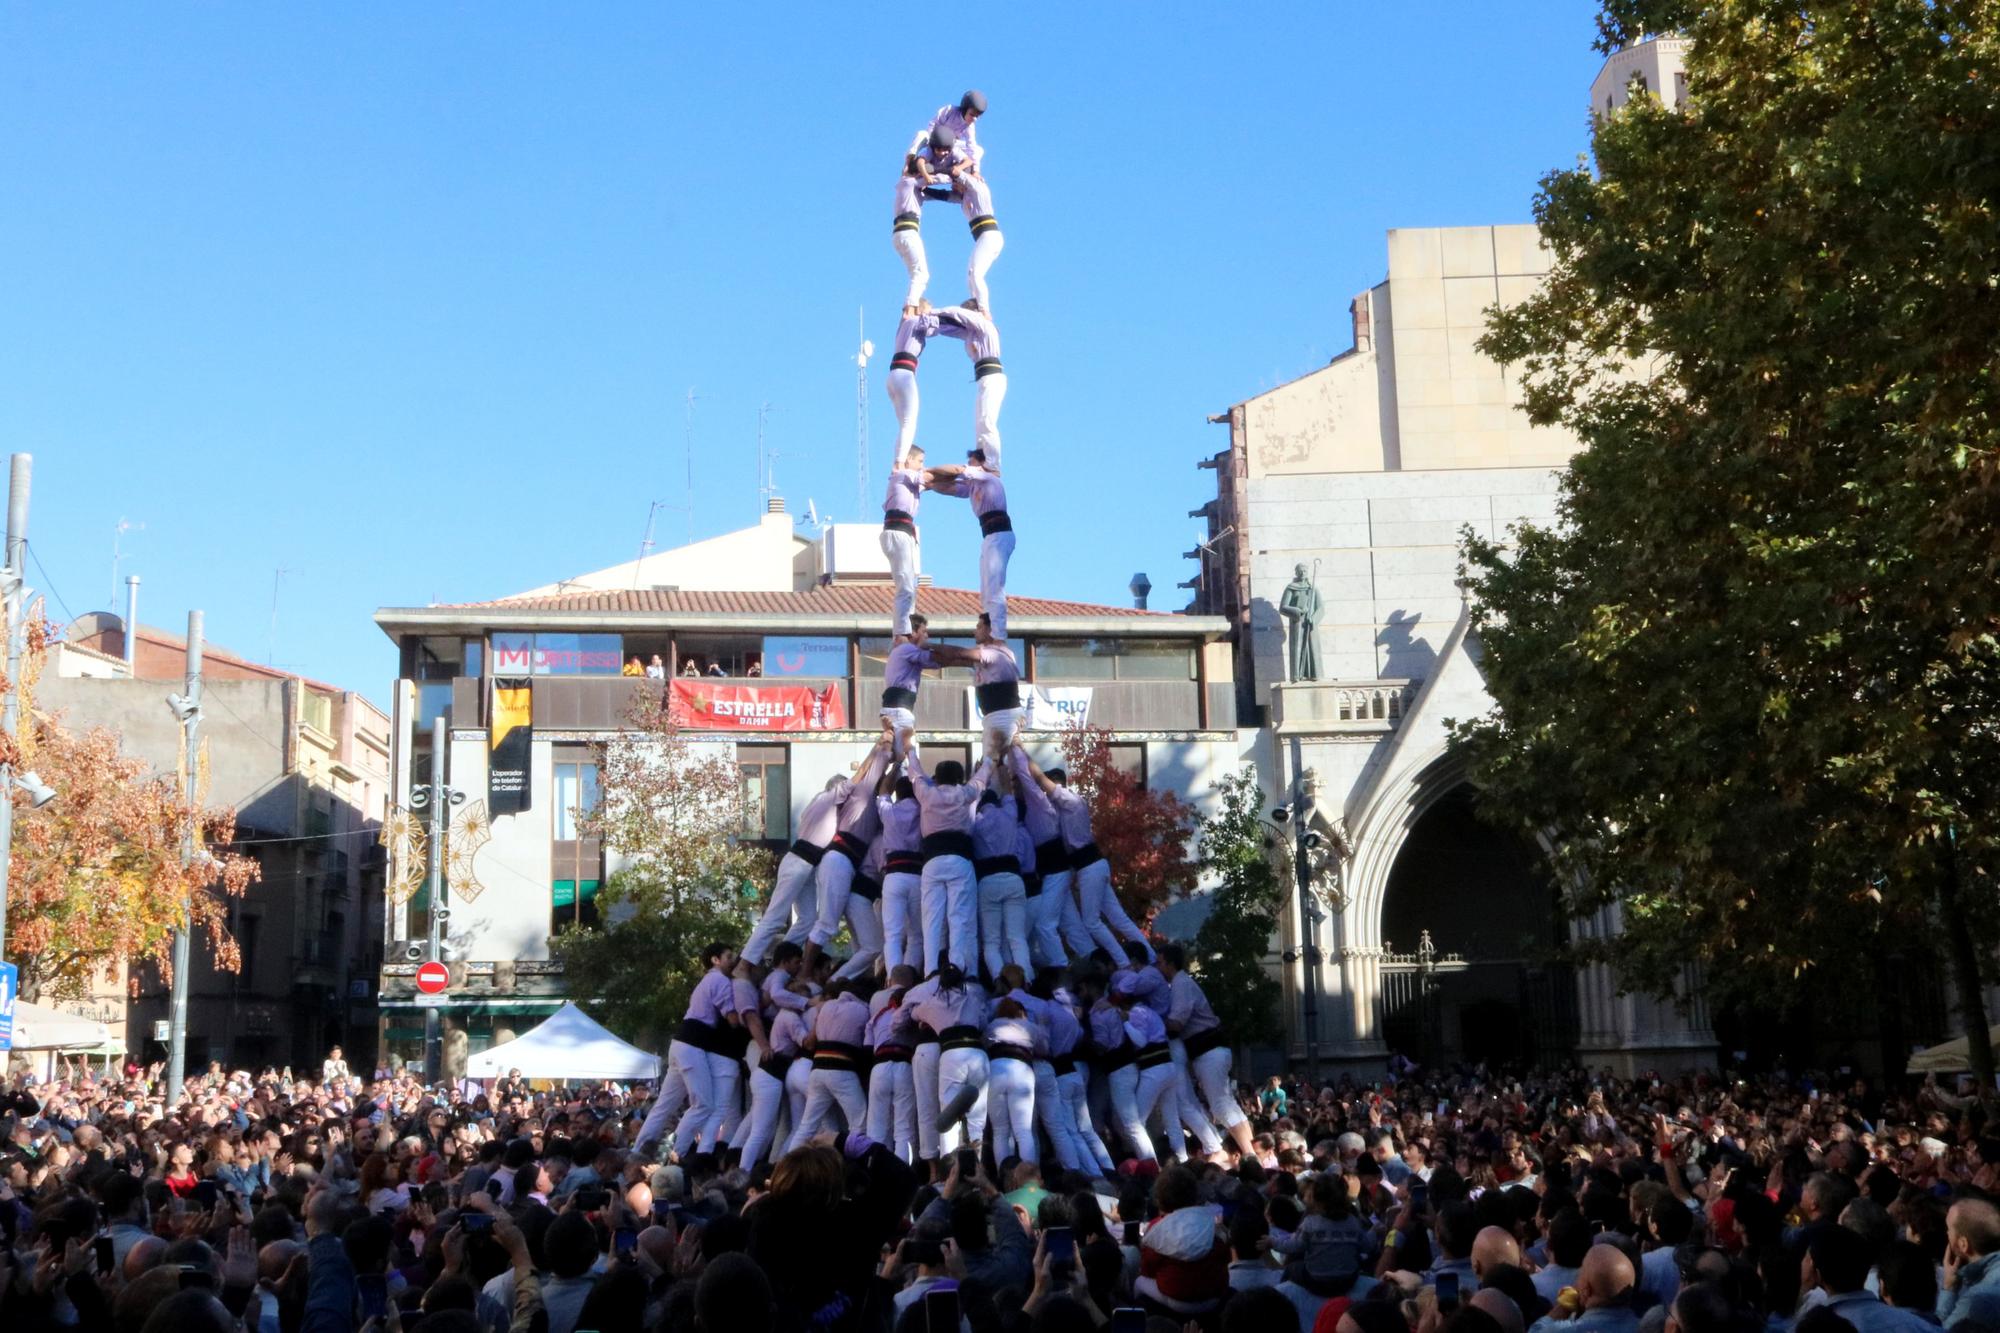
{"x": 1461, "y": 1202}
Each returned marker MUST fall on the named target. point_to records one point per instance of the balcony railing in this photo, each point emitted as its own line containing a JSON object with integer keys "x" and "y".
{"x": 1323, "y": 706}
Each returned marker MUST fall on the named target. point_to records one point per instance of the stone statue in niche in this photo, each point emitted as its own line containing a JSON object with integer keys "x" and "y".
{"x": 1300, "y": 608}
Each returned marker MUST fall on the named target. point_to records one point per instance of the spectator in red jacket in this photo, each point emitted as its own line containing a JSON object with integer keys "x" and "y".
{"x": 1184, "y": 1263}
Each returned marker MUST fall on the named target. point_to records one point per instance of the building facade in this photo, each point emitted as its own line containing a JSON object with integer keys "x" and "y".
{"x": 1351, "y": 489}
{"x": 776, "y": 643}
{"x": 306, "y": 767}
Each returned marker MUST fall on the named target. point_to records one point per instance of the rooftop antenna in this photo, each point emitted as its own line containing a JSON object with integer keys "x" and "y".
{"x": 690, "y": 465}
{"x": 866, "y": 351}
{"x": 277, "y": 578}
{"x": 125, "y": 525}
{"x": 767, "y": 463}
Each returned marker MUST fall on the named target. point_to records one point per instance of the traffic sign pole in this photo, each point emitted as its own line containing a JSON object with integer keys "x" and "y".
{"x": 440, "y": 821}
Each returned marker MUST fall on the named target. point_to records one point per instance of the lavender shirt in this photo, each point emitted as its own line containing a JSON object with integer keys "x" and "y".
{"x": 1074, "y": 813}
{"x": 777, "y": 997}
{"x": 857, "y": 816}
{"x": 944, "y": 808}
{"x": 788, "y": 1031}
{"x": 993, "y": 829}
{"x": 714, "y": 995}
{"x": 950, "y": 118}
{"x": 822, "y": 817}
{"x": 983, "y": 488}
{"x": 1107, "y": 1025}
{"x": 900, "y": 825}
{"x": 980, "y": 335}
{"x": 1152, "y": 988}
{"x": 843, "y": 1020}
{"x": 911, "y": 335}
{"x": 951, "y": 1009}
{"x": 994, "y": 663}
{"x": 1144, "y": 1027}
{"x": 1042, "y": 823}
{"x": 1188, "y": 1008}
{"x": 906, "y": 486}
{"x": 906, "y": 665}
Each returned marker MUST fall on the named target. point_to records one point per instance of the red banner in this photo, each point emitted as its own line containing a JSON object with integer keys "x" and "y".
{"x": 710, "y": 705}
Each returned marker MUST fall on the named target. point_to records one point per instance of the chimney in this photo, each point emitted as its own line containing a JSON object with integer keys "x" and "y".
{"x": 1140, "y": 586}
{"x": 1364, "y": 334}
{"x": 775, "y": 505}
{"x": 131, "y": 621}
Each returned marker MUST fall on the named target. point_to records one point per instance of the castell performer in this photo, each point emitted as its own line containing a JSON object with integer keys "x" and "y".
{"x": 981, "y": 337}
{"x": 981, "y": 485}
{"x": 911, "y": 335}
{"x": 899, "y": 533}
{"x": 937, "y": 156}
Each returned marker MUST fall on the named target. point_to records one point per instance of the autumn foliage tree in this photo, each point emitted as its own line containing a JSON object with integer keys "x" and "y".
{"x": 1143, "y": 833}
{"x": 672, "y": 809}
{"x": 95, "y": 876}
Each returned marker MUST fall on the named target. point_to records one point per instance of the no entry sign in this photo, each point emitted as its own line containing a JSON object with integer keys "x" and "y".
{"x": 432, "y": 978}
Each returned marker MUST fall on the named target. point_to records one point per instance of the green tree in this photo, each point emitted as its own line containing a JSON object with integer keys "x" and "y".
{"x": 1229, "y": 949}
{"x": 672, "y": 809}
{"x": 1748, "y": 681}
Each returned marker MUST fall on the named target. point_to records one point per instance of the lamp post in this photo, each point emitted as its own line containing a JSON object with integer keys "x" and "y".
{"x": 1305, "y": 839}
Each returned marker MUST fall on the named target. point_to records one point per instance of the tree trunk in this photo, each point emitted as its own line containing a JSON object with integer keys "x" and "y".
{"x": 1965, "y": 971}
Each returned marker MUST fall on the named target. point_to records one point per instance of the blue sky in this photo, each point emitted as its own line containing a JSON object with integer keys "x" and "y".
{"x": 405, "y": 301}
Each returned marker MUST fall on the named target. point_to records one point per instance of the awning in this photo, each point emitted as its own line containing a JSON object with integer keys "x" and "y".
{"x": 571, "y": 1046}
{"x": 40, "y": 1028}
{"x": 1951, "y": 1057}
{"x": 479, "y": 1004}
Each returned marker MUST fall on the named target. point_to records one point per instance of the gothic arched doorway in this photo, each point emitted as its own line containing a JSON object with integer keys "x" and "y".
{"x": 1489, "y": 988}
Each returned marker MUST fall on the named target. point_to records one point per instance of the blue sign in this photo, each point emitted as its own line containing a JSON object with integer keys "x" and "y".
{"x": 10, "y": 982}
{"x": 792, "y": 655}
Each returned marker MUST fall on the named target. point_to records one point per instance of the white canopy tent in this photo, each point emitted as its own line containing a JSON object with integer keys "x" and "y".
{"x": 40, "y": 1028}
{"x": 1951, "y": 1057}
{"x": 570, "y": 1045}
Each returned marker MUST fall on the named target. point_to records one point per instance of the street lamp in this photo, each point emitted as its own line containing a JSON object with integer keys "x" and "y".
{"x": 1305, "y": 840}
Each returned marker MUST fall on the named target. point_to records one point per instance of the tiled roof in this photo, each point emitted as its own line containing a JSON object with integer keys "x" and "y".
{"x": 876, "y": 599}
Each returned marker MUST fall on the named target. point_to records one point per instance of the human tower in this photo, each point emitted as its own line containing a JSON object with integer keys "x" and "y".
{"x": 998, "y": 995}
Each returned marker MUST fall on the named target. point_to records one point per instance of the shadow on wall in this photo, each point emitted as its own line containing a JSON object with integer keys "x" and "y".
{"x": 1404, "y": 656}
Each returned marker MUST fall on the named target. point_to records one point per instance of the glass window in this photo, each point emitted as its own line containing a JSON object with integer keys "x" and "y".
{"x": 1080, "y": 660}
{"x": 767, "y": 791}
{"x": 317, "y": 711}
{"x": 875, "y": 655}
{"x": 576, "y": 793}
{"x": 439, "y": 659}
{"x": 572, "y": 902}
{"x": 475, "y": 652}
{"x": 558, "y": 654}
{"x": 1130, "y": 760}
{"x": 433, "y": 702}
{"x": 720, "y": 655}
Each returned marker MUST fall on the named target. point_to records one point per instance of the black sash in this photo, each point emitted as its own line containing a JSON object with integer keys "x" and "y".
{"x": 1153, "y": 1056}
{"x": 838, "y": 1055}
{"x": 1051, "y": 857}
{"x": 896, "y": 696}
{"x": 1032, "y": 882}
{"x": 904, "y": 863}
{"x": 867, "y": 887}
{"x": 964, "y": 1038}
{"x": 853, "y": 848}
{"x": 1086, "y": 855}
{"x": 986, "y": 365}
{"x": 985, "y": 222}
{"x": 1203, "y": 1043}
{"x": 949, "y": 843}
{"x": 809, "y": 852}
{"x": 995, "y": 520}
{"x": 996, "y": 865}
{"x": 996, "y": 695}
{"x": 702, "y": 1036}
{"x": 927, "y": 1036}
{"x": 776, "y": 1064}
{"x": 892, "y": 1055}
{"x": 1115, "y": 1057}
{"x": 1063, "y": 1064}
{"x": 904, "y": 361}
{"x": 907, "y": 222}
{"x": 899, "y": 520}
{"x": 999, "y": 1051}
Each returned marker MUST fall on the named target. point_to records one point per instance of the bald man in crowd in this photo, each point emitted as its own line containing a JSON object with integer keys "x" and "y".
{"x": 1604, "y": 1292}
{"x": 1971, "y": 1291}
{"x": 1492, "y": 1247}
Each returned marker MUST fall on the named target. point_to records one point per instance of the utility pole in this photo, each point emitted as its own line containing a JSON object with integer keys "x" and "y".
{"x": 13, "y": 578}
{"x": 187, "y": 707}
{"x": 438, "y": 799}
{"x": 1308, "y": 916}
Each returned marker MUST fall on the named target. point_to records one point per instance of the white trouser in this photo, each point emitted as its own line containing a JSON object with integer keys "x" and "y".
{"x": 1059, "y": 902}
{"x": 961, "y": 1097}
{"x": 924, "y": 1090}
{"x": 1003, "y": 922}
{"x": 667, "y": 1107}
{"x": 825, "y": 1089}
{"x": 995, "y": 550}
{"x": 1125, "y": 1111}
{"x": 711, "y": 1085}
{"x": 999, "y": 728}
{"x": 760, "y": 1127}
{"x": 864, "y": 923}
{"x": 835, "y": 882}
{"x": 1211, "y": 1075}
{"x": 1099, "y": 918}
{"x": 904, "y": 565}
{"x": 903, "y": 397}
{"x": 732, "y": 1109}
{"x": 795, "y": 877}
{"x": 902, "y": 919}
{"x": 1045, "y": 943}
{"x": 904, "y": 720}
{"x": 985, "y": 250}
{"x": 910, "y": 245}
{"x": 1188, "y": 1106}
{"x": 1052, "y": 1113}
{"x": 951, "y": 910}
{"x": 1075, "y": 1087}
{"x": 1010, "y": 1108}
{"x": 892, "y": 1106}
{"x": 987, "y": 395}
{"x": 1156, "y": 1097}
